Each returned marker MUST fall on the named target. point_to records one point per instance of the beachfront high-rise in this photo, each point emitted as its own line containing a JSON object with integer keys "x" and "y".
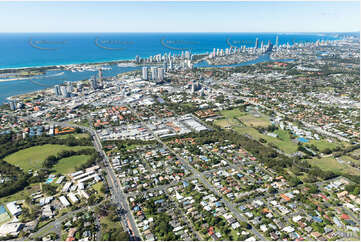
{"x": 57, "y": 91}
{"x": 160, "y": 74}
{"x": 154, "y": 72}
{"x": 12, "y": 105}
{"x": 145, "y": 73}
{"x": 256, "y": 45}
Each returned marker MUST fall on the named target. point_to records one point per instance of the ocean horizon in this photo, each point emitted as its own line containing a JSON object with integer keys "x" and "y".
{"x": 26, "y": 50}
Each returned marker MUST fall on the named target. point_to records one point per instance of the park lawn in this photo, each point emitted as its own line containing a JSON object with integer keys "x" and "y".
{"x": 33, "y": 157}
{"x": 286, "y": 146}
{"x": 331, "y": 164}
{"x": 323, "y": 144}
{"x": 21, "y": 195}
{"x": 68, "y": 165}
{"x": 251, "y": 120}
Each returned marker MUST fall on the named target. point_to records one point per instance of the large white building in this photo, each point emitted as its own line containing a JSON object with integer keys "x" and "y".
{"x": 145, "y": 73}
{"x": 10, "y": 229}
{"x": 160, "y": 74}
{"x": 73, "y": 198}
{"x": 13, "y": 208}
{"x": 64, "y": 201}
{"x": 154, "y": 72}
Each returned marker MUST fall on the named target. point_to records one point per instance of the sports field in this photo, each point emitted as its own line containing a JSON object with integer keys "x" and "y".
{"x": 68, "y": 165}
{"x": 33, "y": 157}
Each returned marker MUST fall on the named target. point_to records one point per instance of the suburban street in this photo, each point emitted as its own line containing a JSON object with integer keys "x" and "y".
{"x": 200, "y": 176}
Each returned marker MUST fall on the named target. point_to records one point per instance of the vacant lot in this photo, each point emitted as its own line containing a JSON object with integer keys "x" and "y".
{"x": 68, "y": 165}
{"x": 226, "y": 123}
{"x": 33, "y": 157}
{"x": 77, "y": 136}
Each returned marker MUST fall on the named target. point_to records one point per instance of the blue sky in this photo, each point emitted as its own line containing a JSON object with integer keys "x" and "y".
{"x": 179, "y": 16}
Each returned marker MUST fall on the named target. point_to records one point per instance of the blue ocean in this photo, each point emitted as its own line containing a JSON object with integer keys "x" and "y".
{"x": 41, "y": 49}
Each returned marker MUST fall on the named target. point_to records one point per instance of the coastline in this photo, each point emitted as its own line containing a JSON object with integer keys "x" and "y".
{"x": 117, "y": 61}
{"x": 65, "y": 65}
{"x": 47, "y": 89}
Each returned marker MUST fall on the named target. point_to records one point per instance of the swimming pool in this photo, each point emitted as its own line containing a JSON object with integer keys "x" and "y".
{"x": 50, "y": 180}
{"x": 2, "y": 209}
{"x": 303, "y": 140}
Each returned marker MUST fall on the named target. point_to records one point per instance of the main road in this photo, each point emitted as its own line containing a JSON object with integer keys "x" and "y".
{"x": 116, "y": 189}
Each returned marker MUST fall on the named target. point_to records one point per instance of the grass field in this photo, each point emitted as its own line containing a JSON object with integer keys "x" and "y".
{"x": 234, "y": 113}
{"x": 251, "y": 120}
{"x": 323, "y": 144}
{"x": 283, "y": 142}
{"x": 243, "y": 123}
{"x": 33, "y": 157}
{"x": 247, "y": 118}
{"x": 67, "y": 165}
{"x": 331, "y": 164}
{"x": 97, "y": 187}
